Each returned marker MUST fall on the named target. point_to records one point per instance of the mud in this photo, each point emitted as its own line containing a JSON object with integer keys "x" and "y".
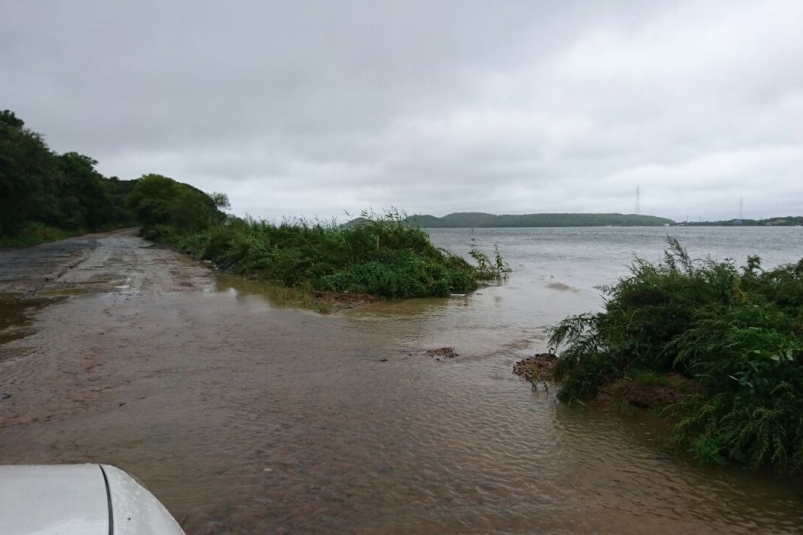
{"x": 536, "y": 368}
{"x": 244, "y": 416}
{"x": 647, "y": 396}
{"x": 16, "y": 316}
{"x": 116, "y": 266}
{"x": 539, "y": 368}
{"x": 118, "y": 262}
{"x": 442, "y": 353}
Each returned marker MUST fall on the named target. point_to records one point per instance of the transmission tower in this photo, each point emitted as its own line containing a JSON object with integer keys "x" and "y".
{"x": 740, "y": 208}
{"x": 638, "y": 203}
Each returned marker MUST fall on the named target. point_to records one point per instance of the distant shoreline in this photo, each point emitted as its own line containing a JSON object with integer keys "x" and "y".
{"x": 483, "y": 220}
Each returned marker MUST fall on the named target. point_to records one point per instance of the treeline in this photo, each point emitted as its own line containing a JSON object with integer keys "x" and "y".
{"x": 788, "y": 221}
{"x": 46, "y": 196}
{"x": 483, "y": 220}
{"x": 43, "y": 193}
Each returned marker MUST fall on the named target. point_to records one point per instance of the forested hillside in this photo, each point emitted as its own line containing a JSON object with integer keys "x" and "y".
{"x": 46, "y": 196}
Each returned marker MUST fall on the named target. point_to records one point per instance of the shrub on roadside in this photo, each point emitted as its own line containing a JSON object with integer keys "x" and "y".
{"x": 738, "y": 332}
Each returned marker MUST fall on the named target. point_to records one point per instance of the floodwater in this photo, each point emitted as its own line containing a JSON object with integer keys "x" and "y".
{"x": 245, "y": 416}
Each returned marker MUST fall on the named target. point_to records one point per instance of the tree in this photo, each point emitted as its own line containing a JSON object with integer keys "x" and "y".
{"x": 41, "y": 188}
{"x": 221, "y": 200}
{"x": 84, "y": 202}
{"x": 8, "y": 118}
{"x": 152, "y": 199}
{"x": 159, "y": 200}
{"x": 27, "y": 175}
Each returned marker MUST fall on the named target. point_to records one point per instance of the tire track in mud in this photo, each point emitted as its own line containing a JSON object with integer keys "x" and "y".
{"x": 46, "y": 376}
{"x": 113, "y": 262}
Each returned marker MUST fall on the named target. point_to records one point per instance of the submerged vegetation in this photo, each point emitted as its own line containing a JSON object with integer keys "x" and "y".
{"x": 383, "y": 256}
{"x": 738, "y": 333}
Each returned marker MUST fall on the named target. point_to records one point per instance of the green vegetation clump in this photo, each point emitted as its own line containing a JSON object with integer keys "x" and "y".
{"x": 383, "y": 256}
{"x": 651, "y": 378}
{"x": 164, "y": 206}
{"x": 737, "y": 332}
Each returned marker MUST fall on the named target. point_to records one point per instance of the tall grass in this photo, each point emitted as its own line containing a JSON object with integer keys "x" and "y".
{"x": 738, "y": 332}
{"x": 383, "y": 256}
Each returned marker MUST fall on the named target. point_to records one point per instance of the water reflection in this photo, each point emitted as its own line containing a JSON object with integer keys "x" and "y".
{"x": 277, "y": 296}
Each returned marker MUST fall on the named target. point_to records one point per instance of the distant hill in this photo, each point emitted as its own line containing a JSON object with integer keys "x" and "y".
{"x": 788, "y": 221}
{"x": 483, "y": 220}
{"x": 426, "y": 221}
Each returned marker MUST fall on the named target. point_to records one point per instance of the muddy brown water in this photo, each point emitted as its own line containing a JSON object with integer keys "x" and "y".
{"x": 244, "y": 416}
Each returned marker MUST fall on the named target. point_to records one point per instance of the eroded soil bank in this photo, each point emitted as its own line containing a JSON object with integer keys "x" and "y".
{"x": 653, "y": 392}
{"x": 245, "y": 417}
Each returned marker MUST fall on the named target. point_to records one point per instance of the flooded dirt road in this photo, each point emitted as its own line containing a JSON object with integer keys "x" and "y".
{"x": 246, "y": 417}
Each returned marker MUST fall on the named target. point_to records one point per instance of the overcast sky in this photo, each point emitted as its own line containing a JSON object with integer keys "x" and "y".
{"x": 313, "y": 108}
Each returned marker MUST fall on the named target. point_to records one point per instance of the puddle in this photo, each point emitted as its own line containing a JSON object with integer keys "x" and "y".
{"x": 16, "y": 315}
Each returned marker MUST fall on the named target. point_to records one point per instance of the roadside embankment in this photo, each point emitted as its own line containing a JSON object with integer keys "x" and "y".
{"x": 643, "y": 390}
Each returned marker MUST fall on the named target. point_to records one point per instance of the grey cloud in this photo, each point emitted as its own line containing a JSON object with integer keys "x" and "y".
{"x": 315, "y": 107}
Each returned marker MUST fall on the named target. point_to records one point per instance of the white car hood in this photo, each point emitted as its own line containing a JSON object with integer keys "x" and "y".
{"x": 135, "y": 511}
{"x": 84, "y": 499}
{"x": 63, "y": 500}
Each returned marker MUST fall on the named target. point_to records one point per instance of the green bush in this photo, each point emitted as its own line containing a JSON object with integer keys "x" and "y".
{"x": 383, "y": 256}
{"x": 738, "y": 332}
